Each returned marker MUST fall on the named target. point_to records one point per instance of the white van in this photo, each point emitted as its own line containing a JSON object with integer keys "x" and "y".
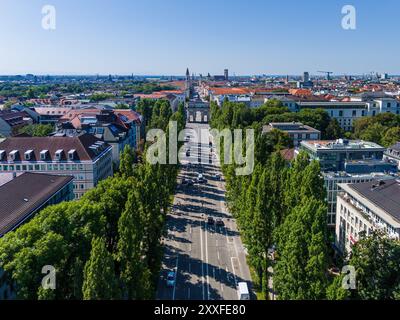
{"x": 243, "y": 291}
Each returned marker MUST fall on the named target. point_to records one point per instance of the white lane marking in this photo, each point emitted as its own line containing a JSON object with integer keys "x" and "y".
{"x": 176, "y": 277}
{"x": 208, "y": 289}
{"x": 201, "y": 250}
{"x": 218, "y": 255}
{"x": 233, "y": 270}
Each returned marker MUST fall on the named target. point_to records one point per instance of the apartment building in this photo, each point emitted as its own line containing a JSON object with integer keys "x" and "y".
{"x": 296, "y": 130}
{"x": 117, "y": 128}
{"x": 85, "y": 157}
{"x": 365, "y": 207}
{"x": 12, "y": 121}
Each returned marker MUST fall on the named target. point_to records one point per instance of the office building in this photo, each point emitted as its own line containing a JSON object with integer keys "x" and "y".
{"x": 334, "y": 155}
{"x": 365, "y": 207}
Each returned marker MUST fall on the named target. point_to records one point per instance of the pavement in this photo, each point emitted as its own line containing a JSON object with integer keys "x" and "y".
{"x": 208, "y": 260}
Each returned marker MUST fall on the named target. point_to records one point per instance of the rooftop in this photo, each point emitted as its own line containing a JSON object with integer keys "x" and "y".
{"x": 80, "y": 144}
{"x": 290, "y": 127}
{"x": 342, "y": 144}
{"x": 24, "y": 195}
{"x": 385, "y": 194}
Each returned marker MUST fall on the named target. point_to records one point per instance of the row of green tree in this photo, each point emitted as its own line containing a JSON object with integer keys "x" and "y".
{"x": 105, "y": 245}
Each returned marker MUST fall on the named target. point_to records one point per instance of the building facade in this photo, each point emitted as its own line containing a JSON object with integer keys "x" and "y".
{"x": 393, "y": 154}
{"x": 85, "y": 157}
{"x": 296, "y": 130}
{"x": 334, "y": 155}
{"x": 365, "y": 207}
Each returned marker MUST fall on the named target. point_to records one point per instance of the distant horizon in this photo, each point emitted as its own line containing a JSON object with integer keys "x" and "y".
{"x": 183, "y": 75}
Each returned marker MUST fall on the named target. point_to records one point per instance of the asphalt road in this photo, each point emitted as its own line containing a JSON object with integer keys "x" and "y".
{"x": 209, "y": 260}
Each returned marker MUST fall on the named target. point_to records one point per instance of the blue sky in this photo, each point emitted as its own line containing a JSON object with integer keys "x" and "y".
{"x": 166, "y": 36}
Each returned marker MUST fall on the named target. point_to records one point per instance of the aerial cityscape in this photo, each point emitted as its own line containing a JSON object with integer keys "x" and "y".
{"x": 176, "y": 177}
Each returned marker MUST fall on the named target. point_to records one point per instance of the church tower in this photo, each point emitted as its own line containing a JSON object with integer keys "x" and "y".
{"x": 187, "y": 84}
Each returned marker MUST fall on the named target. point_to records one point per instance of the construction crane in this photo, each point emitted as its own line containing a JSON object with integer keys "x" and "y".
{"x": 328, "y": 74}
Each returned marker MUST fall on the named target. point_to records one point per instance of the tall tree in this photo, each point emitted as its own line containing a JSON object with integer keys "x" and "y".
{"x": 127, "y": 160}
{"x": 99, "y": 282}
{"x": 300, "y": 270}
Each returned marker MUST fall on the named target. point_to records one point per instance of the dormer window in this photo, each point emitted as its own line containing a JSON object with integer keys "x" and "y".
{"x": 2, "y": 155}
{"x": 71, "y": 154}
{"x": 44, "y": 154}
{"x": 28, "y": 155}
{"x": 14, "y": 155}
{"x": 58, "y": 154}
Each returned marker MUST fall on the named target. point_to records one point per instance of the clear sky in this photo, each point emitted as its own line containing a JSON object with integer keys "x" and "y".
{"x": 166, "y": 36}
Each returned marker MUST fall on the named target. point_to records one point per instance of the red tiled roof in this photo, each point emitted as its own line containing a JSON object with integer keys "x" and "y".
{"x": 287, "y": 154}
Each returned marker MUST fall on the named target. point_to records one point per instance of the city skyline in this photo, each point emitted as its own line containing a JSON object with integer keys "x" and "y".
{"x": 138, "y": 37}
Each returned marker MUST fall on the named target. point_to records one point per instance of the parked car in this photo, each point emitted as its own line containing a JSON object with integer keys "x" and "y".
{"x": 210, "y": 221}
{"x": 171, "y": 279}
{"x": 219, "y": 222}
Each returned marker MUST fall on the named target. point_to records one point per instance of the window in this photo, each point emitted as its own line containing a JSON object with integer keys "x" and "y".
{"x": 28, "y": 155}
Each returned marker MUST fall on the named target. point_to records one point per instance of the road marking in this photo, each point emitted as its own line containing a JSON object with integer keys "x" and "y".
{"x": 233, "y": 269}
{"x": 208, "y": 288}
{"x": 176, "y": 277}
{"x": 218, "y": 255}
{"x": 202, "y": 265}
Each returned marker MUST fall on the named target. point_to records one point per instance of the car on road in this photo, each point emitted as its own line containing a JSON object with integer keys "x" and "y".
{"x": 200, "y": 178}
{"x": 210, "y": 221}
{"x": 171, "y": 279}
{"x": 219, "y": 222}
{"x": 218, "y": 176}
{"x": 243, "y": 291}
{"x": 188, "y": 153}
